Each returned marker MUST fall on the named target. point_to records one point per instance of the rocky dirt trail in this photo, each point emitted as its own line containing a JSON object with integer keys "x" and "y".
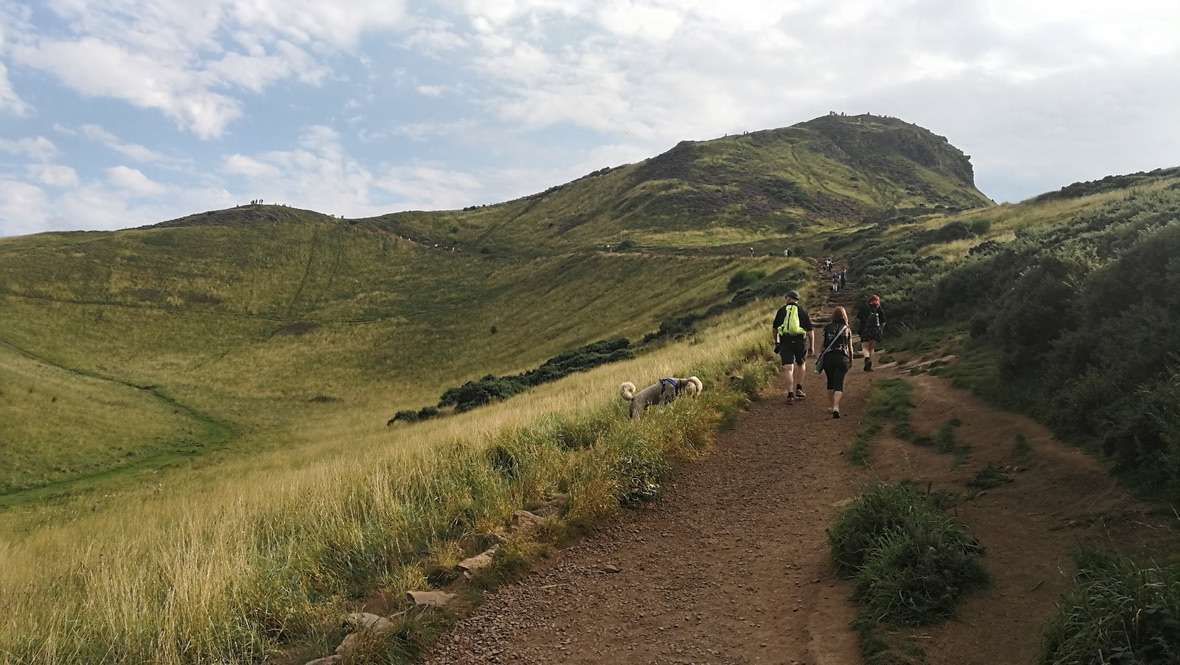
{"x": 1051, "y": 500}
{"x": 730, "y": 566}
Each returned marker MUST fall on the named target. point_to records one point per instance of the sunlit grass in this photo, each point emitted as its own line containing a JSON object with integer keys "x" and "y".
{"x": 226, "y": 563}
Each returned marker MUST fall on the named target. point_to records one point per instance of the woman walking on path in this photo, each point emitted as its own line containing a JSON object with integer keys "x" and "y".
{"x": 837, "y": 356}
{"x": 872, "y": 326}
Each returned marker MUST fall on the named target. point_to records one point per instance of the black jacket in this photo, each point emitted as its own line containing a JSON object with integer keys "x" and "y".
{"x": 866, "y": 314}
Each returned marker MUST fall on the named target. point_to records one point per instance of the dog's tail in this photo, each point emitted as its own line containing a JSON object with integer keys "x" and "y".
{"x": 627, "y": 390}
{"x": 695, "y": 387}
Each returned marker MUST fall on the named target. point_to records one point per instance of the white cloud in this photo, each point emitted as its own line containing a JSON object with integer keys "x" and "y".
{"x": 430, "y": 188}
{"x": 10, "y": 102}
{"x": 23, "y": 208}
{"x": 135, "y": 151}
{"x": 249, "y": 167}
{"x": 54, "y": 175}
{"x": 96, "y": 68}
{"x": 36, "y": 148}
{"x": 133, "y": 181}
{"x": 173, "y": 56}
{"x": 431, "y": 90}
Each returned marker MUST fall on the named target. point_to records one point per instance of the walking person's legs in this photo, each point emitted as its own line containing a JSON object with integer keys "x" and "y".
{"x": 836, "y": 370}
{"x": 800, "y": 372}
{"x": 790, "y": 367}
{"x": 869, "y": 346}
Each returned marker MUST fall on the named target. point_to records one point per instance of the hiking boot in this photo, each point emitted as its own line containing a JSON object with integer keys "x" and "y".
{"x": 790, "y": 398}
{"x": 868, "y": 364}
{"x": 799, "y": 392}
{"x": 836, "y": 414}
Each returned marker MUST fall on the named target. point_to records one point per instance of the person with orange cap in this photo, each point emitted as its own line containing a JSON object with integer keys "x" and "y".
{"x": 871, "y": 327}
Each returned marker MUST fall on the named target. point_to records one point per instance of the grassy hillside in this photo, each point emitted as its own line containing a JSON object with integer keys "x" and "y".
{"x": 236, "y": 330}
{"x": 203, "y": 402}
{"x": 230, "y": 564}
{"x": 264, "y": 325}
{"x": 763, "y": 188}
{"x": 1064, "y": 307}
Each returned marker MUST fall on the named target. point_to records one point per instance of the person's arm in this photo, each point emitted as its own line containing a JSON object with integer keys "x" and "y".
{"x": 848, "y": 345}
{"x": 779, "y": 316}
{"x": 806, "y": 324}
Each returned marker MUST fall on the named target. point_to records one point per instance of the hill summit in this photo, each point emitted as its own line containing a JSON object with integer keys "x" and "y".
{"x": 832, "y": 171}
{"x": 743, "y": 189}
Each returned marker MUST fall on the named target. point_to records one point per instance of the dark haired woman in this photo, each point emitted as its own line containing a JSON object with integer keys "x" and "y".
{"x": 837, "y": 356}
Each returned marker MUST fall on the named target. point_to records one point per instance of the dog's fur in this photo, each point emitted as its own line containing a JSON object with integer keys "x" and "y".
{"x": 658, "y": 393}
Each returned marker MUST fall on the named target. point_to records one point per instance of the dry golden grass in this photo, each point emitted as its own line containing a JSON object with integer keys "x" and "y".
{"x": 226, "y": 564}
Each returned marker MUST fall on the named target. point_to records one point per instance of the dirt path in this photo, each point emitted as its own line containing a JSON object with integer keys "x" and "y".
{"x": 729, "y": 567}
{"x": 1057, "y": 499}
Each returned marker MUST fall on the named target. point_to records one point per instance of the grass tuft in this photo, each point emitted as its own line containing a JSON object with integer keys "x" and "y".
{"x": 1119, "y": 613}
{"x": 910, "y": 562}
{"x": 890, "y": 401}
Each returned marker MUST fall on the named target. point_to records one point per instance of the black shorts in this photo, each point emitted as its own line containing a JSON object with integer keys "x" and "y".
{"x": 792, "y": 349}
{"x": 835, "y": 368}
{"x": 870, "y": 336}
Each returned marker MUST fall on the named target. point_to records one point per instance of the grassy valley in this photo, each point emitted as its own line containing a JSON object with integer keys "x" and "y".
{"x": 203, "y": 402}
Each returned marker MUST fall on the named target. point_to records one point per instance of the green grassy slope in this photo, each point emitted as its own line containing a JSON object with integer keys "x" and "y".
{"x": 268, "y": 326}
{"x": 733, "y": 191}
{"x": 1063, "y": 307}
{"x": 242, "y": 329}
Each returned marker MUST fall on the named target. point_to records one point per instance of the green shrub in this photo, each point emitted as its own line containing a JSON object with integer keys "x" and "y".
{"x": 744, "y": 279}
{"x": 881, "y": 509}
{"x": 1119, "y": 613}
{"x": 915, "y": 573}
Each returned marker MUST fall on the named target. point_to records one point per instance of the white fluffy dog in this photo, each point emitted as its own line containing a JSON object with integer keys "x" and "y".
{"x": 661, "y": 392}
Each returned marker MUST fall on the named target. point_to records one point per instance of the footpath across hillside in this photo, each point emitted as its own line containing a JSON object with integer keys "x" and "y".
{"x": 732, "y": 565}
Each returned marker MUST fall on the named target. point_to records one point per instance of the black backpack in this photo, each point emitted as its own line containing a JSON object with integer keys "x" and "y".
{"x": 872, "y": 323}
{"x": 835, "y": 338}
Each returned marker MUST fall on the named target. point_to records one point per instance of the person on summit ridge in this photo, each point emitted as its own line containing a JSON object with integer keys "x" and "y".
{"x": 792, "y": 330}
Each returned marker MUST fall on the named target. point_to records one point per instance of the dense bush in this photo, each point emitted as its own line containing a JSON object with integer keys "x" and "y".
{"x": 1083, "y": 317}
{"x": 743, "y": 279}
{"x": 910, "y": 561}
{"x": 492, "y": 388}
{"x": 1119, "y": 613}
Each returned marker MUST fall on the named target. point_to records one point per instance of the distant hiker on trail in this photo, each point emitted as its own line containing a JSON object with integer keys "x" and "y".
{"x": 836, "y": 358}
{"x": 828, "y": 265}
{"x": 843, "y": 278}
{"x": 793, "y": 336}
{"x": 835, "y": 285}
{"x": 871, "y": 326}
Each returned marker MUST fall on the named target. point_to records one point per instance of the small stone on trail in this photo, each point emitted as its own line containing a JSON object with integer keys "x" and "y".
{"x": 478, "y": 562}
{"x": 429, "y": 598}
{"x": 611, "y": 568}
{"x": 553, "y": 506}
{"x": 524, "y": 522}
{"x": 366, "y": 621}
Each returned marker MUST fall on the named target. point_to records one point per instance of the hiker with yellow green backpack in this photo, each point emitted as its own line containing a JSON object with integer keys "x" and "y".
{"x": 793, "y": 339}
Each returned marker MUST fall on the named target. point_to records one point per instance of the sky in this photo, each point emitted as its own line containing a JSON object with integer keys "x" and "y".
{"x": 120, "y": 113}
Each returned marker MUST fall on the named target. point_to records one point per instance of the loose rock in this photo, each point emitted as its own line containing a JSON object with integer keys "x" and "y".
{"x": 525, "y": 523}
{"x": 478, "y": 562}
{"x": 429, "y": 598}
